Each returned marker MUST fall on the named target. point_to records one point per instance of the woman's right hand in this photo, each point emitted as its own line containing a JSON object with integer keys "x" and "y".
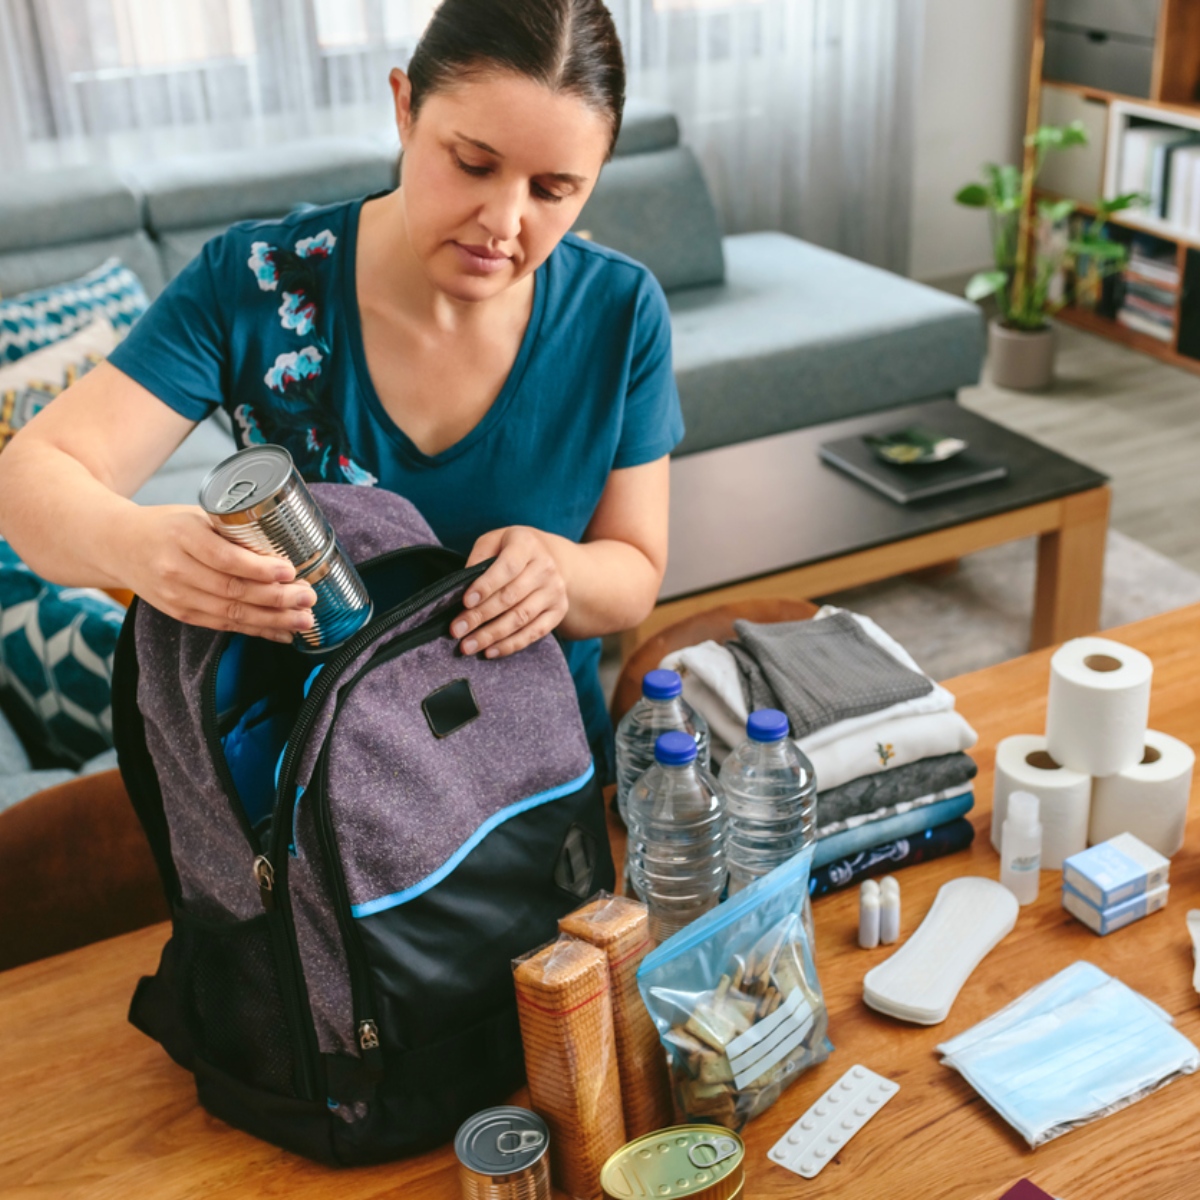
{"x": 176, "y": 561}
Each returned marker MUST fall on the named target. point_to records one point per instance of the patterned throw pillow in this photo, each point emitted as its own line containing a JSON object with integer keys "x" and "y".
{"x": 29, "y": 384}
{"x": 56, "y": 656}
{"x": 35, "y": 319}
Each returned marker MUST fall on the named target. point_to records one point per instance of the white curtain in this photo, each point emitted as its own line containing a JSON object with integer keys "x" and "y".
{"x": 801, "y": 111}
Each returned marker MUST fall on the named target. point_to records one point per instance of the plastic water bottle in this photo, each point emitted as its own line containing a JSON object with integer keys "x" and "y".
{"x": 770, "y": 792}
{"x": 661, "y": 708}
{"x": 676, "y": 847}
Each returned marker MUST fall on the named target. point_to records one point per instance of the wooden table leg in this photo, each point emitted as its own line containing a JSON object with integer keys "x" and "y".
{"x": 1070, "y": 571}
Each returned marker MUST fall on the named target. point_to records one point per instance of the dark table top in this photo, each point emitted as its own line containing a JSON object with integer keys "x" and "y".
{"x": 768, "y": 505}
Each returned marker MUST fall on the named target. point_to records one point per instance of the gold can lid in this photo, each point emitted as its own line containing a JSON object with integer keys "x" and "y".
{"x": 703, "y": 1162}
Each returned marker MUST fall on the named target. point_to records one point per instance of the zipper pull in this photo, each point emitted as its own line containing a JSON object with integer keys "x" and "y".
{"x": 264, "y": 876}
{"x": 368, "y": 1043}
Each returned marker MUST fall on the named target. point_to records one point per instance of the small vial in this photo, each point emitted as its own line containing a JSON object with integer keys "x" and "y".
{"x": 1021, "y": 847}
{"x": 868, "y": 915}
{"x": 889, "y": 910}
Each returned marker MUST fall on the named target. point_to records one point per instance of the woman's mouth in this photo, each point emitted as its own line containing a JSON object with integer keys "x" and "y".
{"x": 479, "y": 260}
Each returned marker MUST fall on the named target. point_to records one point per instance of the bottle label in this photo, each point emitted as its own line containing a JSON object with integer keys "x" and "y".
{"x": 1028, "y": 862}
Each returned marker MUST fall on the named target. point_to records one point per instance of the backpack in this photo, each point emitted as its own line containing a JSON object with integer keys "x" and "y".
{"x": 355, "y": 847}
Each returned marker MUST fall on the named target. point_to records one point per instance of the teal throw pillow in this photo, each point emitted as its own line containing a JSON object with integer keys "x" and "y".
{"x": 56, "y": 656}
{"x": 36, "y": 319}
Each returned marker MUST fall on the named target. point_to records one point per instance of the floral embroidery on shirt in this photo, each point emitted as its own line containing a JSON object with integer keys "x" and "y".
{"x": 299, "y": 414}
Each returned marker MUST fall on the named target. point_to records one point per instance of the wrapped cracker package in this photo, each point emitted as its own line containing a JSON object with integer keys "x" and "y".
{"x": 563, "y": 1004}
{"x": 621, "y": 928}
{"x": 736, "y": 1001}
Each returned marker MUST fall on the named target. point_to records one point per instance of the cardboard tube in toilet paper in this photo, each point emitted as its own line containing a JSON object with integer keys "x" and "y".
{"x": 1098, "y": 707}
{"x": 1023, "y": 765}
{"x": 1150, "y": 799}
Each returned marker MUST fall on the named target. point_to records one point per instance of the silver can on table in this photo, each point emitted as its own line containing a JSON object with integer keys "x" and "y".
{"x": 257, "y": 499}
{"x": 502, "y": 1155}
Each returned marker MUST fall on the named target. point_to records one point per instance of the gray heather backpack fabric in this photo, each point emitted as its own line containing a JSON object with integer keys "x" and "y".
{"x": 354, "y": 849}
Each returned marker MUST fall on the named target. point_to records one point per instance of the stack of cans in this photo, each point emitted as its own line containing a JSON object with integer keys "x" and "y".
{"x": 257, "y": 499}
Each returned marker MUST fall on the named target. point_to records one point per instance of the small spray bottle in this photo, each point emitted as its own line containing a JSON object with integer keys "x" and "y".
{"x": 1021, "y": 847}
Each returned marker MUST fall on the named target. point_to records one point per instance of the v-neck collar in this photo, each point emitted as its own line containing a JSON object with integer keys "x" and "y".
{"x": 353, "y": 322}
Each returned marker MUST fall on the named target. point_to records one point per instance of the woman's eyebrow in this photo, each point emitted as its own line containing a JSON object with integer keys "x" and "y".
{"x": 561, "y": 176}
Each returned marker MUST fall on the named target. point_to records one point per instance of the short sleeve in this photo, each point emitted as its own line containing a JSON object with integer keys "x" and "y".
{"x": 178, "y": 349}
{"x": 652, "y": 423}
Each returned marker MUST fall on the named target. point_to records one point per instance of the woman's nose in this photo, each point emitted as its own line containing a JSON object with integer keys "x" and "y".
{"x": 501, "y": 214}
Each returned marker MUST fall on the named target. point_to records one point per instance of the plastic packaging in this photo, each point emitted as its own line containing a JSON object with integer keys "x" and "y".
{"x": 563, "y": 1004}
{"x": 661, "y": 708}
{"x": 889, "y": 910}
{"x": 868, "y": 915}
{"x": 737, "y": 1002}
{"x": 621, "y": 928}
{"x": 770, "y": 799}
{"x": 676, "y": 848}
{"x": 1021, "y": 847}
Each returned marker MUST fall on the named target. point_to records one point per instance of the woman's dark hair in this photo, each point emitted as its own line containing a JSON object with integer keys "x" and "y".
{"x": 568, "y": 45}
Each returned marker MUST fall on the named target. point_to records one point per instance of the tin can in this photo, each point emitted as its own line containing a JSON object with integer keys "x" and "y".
{"x": 502, "y": 1155}
{"x": 702, "y": 1162}
{"x": 257, "y": 499}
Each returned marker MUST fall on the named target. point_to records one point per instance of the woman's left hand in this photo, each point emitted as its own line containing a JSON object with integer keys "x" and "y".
{"x": 520, "y": 598}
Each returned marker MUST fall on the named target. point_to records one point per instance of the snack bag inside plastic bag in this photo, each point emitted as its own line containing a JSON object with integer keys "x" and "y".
{"x": 736, "y": 1001}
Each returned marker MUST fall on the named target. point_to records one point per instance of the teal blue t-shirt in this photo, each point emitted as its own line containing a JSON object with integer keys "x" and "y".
{"x": 264, "y": 322}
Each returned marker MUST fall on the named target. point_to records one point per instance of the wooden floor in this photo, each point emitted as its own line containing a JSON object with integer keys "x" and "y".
{"x": 1128, "y": 415}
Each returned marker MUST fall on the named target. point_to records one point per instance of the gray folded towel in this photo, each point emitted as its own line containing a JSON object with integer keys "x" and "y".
{"x": 821, "y": 672}
{"x": 885, "y": 789}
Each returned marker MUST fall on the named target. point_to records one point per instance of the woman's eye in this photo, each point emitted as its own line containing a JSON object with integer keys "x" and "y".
{"x": 544, "y": 193}
{"x": 471, "y": 168}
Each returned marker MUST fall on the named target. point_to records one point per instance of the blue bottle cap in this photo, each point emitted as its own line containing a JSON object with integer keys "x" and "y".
{"x": 675, "y": 749}
{"x": 661, "y": 685}
{"x": 767, "y": 725}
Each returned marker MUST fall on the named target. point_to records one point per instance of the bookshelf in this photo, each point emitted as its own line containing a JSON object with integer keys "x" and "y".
{"x": 1078, "y": 46}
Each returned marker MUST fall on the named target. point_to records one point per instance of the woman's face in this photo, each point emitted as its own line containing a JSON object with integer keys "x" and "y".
{"x": 496, "y": 170}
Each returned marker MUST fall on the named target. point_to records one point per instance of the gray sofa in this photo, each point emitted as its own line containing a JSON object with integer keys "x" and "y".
{"x": 770, "y": 333}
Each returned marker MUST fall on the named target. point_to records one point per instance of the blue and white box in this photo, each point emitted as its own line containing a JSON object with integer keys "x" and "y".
{"x": 1116, "y": 916}
{"x": 1115, "y": 870}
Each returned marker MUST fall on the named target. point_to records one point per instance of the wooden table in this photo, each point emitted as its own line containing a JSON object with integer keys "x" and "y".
{"x": 93, "y": 1109}
{"x": 742, "y": 527}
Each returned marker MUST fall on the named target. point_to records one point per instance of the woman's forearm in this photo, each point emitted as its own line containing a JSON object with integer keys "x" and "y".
{"x": 63, "y": 522}
{"x": 611, "y": 586}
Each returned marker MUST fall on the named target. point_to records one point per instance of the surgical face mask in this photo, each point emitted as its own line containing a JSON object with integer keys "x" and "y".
{"x": 1075, "y": 1048}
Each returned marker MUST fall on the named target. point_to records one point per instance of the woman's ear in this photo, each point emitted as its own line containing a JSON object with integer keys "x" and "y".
{"x": 402, "y": 96}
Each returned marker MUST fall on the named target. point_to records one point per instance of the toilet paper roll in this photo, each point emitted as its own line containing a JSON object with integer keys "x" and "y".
{"x": 1098, "y": 707}
{"x": 1023, "y": 765}
{"x": 1149, "y": 800}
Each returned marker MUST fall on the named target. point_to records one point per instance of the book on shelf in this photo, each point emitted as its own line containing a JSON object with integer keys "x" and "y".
{"x": 1143, "y": 162}
{"x": 1181, "y": 188}
{"x": 1135, "y": 321}
{"x": 1152, "y": 289}
{"x": 1155, "y": 312}
{"x": 1161, "y": 173}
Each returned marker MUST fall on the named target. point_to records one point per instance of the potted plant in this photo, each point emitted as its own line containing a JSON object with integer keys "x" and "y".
{"x": 1029, "y": 258}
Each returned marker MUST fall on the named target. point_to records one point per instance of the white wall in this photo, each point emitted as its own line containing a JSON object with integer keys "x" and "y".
{"x": 971, "y": 99}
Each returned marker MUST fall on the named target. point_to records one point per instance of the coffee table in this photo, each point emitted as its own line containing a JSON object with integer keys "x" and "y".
{"x": 769, "y": 518}
{"x": 96, "y": 1111}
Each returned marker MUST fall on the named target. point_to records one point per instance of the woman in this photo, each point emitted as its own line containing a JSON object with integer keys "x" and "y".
{"x": 449, "y": 341}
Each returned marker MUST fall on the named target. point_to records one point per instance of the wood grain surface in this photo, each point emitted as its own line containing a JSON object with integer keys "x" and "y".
{"x": 93, "y": 1109}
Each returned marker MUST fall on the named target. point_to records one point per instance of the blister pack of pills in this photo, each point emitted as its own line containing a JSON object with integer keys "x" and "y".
{"x": 820, "y": 1134}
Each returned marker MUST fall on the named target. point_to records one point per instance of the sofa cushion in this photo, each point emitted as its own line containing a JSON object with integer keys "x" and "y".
{"x": 24, "y": 270}
{"x": 646, "y": 126}
{"x": 798, "y": 335}
{"x": 214, "y": 190}
{"x": 56, "y": 651}
{"x": 39, "y": 318}
{"x": 79, "y": 204}
{"x": 655, "y": 208}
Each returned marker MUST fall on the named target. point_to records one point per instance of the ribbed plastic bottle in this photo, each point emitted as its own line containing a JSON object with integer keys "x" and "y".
{"x": 676, "y": 846}
{"x": 770, "y": 792}
{"x": 661, "y": 708}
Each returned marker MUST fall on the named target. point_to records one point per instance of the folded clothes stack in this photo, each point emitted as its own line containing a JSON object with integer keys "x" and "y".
{"x": 885, "y": 741}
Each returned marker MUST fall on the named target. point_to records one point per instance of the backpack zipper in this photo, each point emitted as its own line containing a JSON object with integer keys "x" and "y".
{"x": 366, "y": 1029}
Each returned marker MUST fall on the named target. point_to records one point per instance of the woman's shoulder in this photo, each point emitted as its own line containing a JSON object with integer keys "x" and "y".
{"x": 605, "y": 275}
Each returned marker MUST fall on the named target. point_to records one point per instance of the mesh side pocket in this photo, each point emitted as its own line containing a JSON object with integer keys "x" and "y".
{"x": 230, "y": 988}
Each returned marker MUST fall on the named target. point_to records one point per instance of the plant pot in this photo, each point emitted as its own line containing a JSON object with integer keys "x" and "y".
{"x": 1020, "y": 358}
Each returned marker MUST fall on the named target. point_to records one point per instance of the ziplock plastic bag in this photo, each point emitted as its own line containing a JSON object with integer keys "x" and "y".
{"x": 736, "y": 1001}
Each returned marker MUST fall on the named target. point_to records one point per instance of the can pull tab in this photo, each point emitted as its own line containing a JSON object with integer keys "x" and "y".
{"x": 236, "y": 492}
{"x": 512, "y": 1142}
{"x": 712, "y": 1151}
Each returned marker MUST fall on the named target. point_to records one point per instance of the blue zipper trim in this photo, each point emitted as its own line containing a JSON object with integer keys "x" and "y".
{"x": 721, "y": 916}
{"x": 369, "y": 907}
